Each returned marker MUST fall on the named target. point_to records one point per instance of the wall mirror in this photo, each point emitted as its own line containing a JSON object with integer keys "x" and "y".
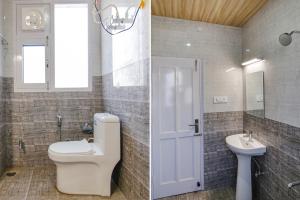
{"x": 255, "y": 100}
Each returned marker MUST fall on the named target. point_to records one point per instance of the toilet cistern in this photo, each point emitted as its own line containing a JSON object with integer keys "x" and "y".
{"x": 244, "y": 148}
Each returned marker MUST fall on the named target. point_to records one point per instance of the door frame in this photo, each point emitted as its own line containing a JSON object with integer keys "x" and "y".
{"x": 154, "y": 140}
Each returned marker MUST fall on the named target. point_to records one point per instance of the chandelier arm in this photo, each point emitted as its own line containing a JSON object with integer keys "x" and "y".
{"x": 108, "y": 31}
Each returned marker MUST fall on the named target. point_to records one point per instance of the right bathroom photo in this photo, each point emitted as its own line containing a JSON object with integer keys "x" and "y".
{"x": 225, "y": 100}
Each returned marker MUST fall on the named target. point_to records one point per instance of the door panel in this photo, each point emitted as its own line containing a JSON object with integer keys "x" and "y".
{"x": 184, "y": 98}
{"x": 177, "y": 151}
{"x": 167, "y": 160}
{"x": 187, "y": 163}
{"x": 167, "y": 94}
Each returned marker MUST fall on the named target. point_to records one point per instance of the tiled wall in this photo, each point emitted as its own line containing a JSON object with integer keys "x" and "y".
{"x": 125, "y": 82}
{"x": 281, "y": 163}
{"x": 280, "y": 130}
{"x": 219, "y": 49}
{"x": 131, "y": 104}
{"x": 2, "y": 105}
{"x": 31, "y": 117}
{"x": 281, "y": 66}
{"x": 129, "y": 47}
{"x": 3, "y": 136}
{"x": 220, "y": 164}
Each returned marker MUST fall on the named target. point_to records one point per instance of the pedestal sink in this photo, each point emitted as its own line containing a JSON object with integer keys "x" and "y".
{"x": 244, "y": 148}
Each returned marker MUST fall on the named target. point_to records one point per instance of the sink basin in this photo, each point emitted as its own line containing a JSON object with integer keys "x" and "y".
{"x": 240, "y": 145}
{"x": 244, "y": 150}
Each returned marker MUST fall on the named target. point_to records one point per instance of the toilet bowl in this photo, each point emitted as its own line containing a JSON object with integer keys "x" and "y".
{"x": 86, "y": 168}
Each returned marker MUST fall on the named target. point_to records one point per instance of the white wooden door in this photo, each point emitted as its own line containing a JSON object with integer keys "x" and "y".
{"x": 177, "y": 141}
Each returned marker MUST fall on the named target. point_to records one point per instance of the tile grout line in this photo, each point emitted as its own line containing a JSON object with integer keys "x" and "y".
{"x": 30, "y": 179}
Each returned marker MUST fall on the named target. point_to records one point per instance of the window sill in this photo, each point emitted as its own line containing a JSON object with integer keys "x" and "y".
{"x": 24, "y": 90}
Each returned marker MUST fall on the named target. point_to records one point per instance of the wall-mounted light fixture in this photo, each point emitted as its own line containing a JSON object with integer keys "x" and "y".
{"x": 252, "y": 61}
{"x": 230, "y": 69}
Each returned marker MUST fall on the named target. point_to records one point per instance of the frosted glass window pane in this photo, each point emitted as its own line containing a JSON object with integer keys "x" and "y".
{"x": 71, "y": 46}
{"x": 34, "y": 64}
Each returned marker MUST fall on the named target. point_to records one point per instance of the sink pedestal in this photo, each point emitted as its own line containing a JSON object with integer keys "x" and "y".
{"x": 244, "y": 148}
{"x": 244, "y": 186}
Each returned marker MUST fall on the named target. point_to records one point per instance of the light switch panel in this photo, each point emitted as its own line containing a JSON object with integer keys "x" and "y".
{"x": 220, "y": 99}
{"x": 259, "y": 98}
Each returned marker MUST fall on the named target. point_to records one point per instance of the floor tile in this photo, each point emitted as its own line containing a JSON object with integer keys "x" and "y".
{"x": 223, "y": 193}
{"x": 39, "y": 184}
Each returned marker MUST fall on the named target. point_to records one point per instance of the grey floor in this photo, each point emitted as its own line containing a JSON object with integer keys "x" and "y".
{"x": 39, "y": 184}
{"x": 217, "y": 194}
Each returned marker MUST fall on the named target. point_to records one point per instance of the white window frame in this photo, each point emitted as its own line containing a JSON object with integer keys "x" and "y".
{"x": 47, "y": 38}
{"x": 20, "y": 71}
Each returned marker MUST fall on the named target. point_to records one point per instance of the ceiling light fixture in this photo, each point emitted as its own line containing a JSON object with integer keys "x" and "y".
{"x": 188, "y": 44}
{"x": 115, "y": 22}
{"x": 252, "y": 61}
{"x": 230, "y": 69}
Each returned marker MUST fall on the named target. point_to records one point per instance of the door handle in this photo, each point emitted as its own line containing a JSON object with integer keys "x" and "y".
{"x": 199, "y": 134}
{"x": 196, "y": 125}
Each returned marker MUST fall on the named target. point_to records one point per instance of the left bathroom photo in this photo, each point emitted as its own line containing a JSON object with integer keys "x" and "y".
{"x": 74, "y": 99}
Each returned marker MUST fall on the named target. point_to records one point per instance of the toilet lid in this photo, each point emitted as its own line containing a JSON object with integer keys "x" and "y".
{"x": 72, "y": 147}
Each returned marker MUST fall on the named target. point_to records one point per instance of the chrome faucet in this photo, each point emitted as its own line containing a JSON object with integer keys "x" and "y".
{"x": 59, "y": 120}
{"x": 59, "y": 124}
{"x": 248, "y": 134}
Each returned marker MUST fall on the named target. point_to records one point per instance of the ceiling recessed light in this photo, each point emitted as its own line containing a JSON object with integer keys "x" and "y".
{"x": 199, "y": 29}
{"x": 188, "y": 44}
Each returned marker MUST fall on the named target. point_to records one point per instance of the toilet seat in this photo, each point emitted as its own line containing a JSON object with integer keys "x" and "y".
{"x": 72, "y": 147}
{"x": 75, "y": 151}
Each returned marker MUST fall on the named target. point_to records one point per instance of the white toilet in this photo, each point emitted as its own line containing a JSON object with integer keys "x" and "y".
{"x": 86, "y": 168}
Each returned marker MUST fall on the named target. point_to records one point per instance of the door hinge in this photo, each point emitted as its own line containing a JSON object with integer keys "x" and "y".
{"x": 47, "y": 40}
{"x": 196, "y": 65}
{"x": 47, "y": 85}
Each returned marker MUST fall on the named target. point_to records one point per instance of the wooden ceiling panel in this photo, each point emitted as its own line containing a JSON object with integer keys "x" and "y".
{"x": 225, "y": 12}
